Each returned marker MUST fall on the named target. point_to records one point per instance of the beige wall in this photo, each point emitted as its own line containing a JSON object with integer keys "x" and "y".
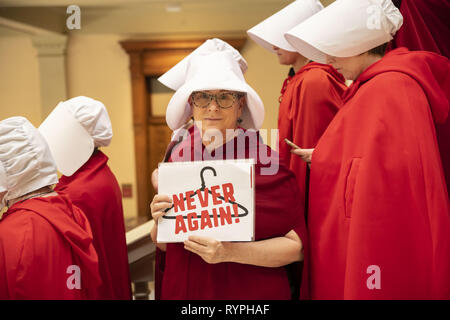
{"x": 266, "y": 76}
{"x": 98, "y": 67}
{"x": 19, "y": 79}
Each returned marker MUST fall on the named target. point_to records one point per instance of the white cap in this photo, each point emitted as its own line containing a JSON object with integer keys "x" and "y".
{"x": 93, "y": 116}
{"x": 175, "y": 77}
{"x": 73, "y": 129}
{"x": 214, "y": 71}
{"x": 25, "y": 159}
{"x": 346, "y": 28}
{"x": 270, "y": 32}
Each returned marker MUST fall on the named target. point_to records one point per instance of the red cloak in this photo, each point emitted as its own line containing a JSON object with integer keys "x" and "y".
{"x": 277, "y": 211}
{"x": 425, "y": 26}
{"x": 40, "y": 239}
{"x": 379, "y": 221}
{"x": 309, "y": 102}
{"x": 95, "y": 190}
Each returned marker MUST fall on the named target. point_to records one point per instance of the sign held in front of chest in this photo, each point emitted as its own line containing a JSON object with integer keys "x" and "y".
{"x": 210, "y": 198}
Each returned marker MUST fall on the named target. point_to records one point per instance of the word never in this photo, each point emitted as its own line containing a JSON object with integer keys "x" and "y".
{"x": 185, "y": 202}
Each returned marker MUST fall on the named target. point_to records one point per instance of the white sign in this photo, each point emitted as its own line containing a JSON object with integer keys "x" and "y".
{"x": 210, "y": 198}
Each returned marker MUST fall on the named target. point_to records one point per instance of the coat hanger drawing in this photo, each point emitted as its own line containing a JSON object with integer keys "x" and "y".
{"x": 202, "y": 188}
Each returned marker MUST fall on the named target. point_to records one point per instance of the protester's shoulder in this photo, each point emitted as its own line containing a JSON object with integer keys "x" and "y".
{"x": 16, "y": 225}
{"x": 15, "y": 231}
{"x": 102, "y": 180}
{"x": 318, "y": 78}
{"x": 393, "y": 81}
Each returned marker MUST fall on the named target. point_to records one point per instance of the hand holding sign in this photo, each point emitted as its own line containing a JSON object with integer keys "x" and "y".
{"x": 210, "y": 250}
{"x": 209, "y": 198}
{"x": 158, "y": 207}
{"x": 154, "y": 179}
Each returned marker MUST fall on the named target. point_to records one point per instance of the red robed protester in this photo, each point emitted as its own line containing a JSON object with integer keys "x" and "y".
{"x": 95, "y": 190}
{"x": 426, "y": 27}
{"x": 277, "y": 211}
{"x": 379, "y": 217}
{"x": 309, "y": 102}
{"x": 45, "y": 244}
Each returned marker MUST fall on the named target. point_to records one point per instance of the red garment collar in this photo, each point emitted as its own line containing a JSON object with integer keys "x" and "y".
{"x": 367, "y": 74}
{"x": 311, "y": 65}
{"x": 326, "y": 67}
{"x": 96, "y": 161}
{"x": 428, "y": 69}
{"x": 43, "y": 201}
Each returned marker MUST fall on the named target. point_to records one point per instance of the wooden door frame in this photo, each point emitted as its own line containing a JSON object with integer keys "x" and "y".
{"x": 152, "y": 58}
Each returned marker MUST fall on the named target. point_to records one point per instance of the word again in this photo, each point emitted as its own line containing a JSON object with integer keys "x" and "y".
{"x": 221, "y": 214}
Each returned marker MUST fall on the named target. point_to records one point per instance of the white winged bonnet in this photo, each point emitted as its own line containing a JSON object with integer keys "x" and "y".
{"x": 175, "y": 77}
{"x": 346, "y": 28}
{"x": 270, "y": 32}
{"x": 73, "y": 129}
{"x": 217, "y": 70}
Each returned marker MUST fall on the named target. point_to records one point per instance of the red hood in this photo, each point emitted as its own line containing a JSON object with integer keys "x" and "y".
{"x": 326, "y": 67}
{"x": 312, "y": 65}
{"x": 95, "y": 163}
{"x": 68, "y": 221}
{"x": 430, "y": 70}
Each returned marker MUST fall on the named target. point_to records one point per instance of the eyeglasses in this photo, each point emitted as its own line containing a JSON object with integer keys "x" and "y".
{"x": 224, "y": 100}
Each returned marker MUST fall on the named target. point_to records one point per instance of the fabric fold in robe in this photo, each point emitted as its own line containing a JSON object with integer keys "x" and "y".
{"x": 46, "y": 251}
{"x": 309, "y": 102}
{"x": 379, "y": 216}
{"x": 96, "y": 191}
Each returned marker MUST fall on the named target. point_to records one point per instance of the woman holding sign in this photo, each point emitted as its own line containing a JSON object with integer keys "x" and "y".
{"x": 223, "y": 106}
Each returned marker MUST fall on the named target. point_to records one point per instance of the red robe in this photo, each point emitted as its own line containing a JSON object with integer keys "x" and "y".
{"x": 378, "y": 197}
{"x": 277, "y": 211}
{"x": 95, "y": 190}
{"x": 425, "y": 26}
{"x": 40, "y": 239}
{"x": 309, "y": 102}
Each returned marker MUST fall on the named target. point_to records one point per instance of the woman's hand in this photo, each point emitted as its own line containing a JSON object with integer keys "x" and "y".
{"x": 305, "y": 154}
{"x": 154, "y": 179}
{"x": 210, "y": 250}
{"x": 160, "y": 203}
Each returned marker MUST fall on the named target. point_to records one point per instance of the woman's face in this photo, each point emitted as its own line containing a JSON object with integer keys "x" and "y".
{"x": 350, "y": 67}
{"x": 286, "y": 57}
{"x": 213, "y": 116}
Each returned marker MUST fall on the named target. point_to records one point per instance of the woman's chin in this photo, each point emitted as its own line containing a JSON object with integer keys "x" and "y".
{"x": 211, "y": 125}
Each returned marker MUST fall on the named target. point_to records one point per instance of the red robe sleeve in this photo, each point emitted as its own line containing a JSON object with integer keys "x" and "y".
{"x": 425, "y": 26}
{"x": 308, "y": 106}
{"x": 95, "y": 190}
{"x": 378, "y": 198}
